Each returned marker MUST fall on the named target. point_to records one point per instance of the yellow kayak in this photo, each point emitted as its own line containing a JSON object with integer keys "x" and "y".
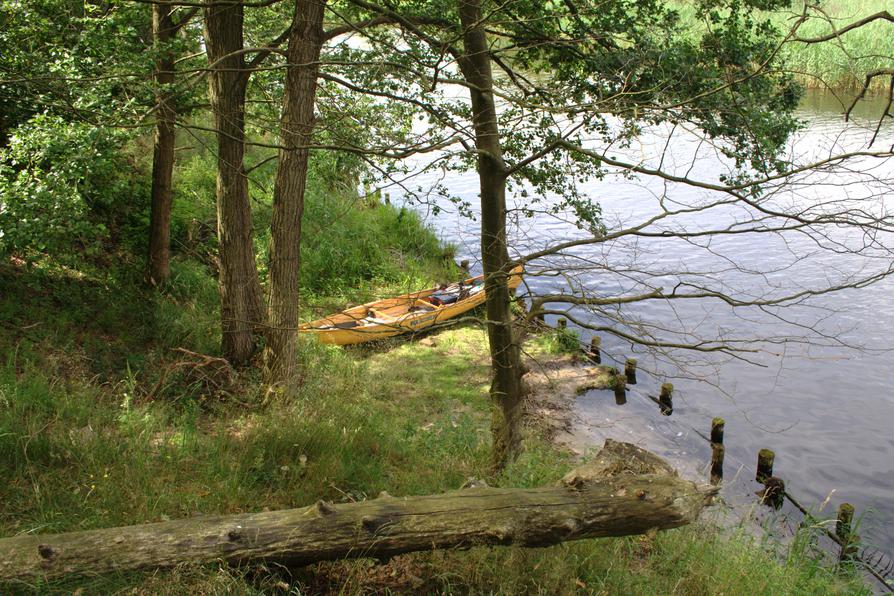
{"x": 402, "y": 314}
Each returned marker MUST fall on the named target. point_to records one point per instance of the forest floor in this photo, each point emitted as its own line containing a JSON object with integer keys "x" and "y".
{"x": 104, "y": 421}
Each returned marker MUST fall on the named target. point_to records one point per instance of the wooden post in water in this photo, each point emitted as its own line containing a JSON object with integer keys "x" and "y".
{"x": 717, "y": 453}
{"x": 630, "y": 370}
{"x": 562, "y": 323}
{"x": 717, "y": 426}
{"x": 765, "y": 459}
{"x": 845, "y": 533}
{"x": 666, "y": 399}
{"x": 620, "y": 382}
{"x": 717, "y": 450}
{"x": 594, "y": 354}
{"x": 774, "y": 492}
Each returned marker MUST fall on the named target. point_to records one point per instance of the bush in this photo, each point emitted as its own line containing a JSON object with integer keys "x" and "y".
{"x": 61, "y": 186}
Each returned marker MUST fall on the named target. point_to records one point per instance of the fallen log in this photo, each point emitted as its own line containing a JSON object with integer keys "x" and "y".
{"x": 582, "y": 507}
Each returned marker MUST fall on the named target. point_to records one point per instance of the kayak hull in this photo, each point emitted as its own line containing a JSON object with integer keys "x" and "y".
{"x": 402, "y": 314}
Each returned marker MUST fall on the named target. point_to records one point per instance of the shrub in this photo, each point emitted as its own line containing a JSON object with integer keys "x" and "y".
{"x": 61, "y": 186}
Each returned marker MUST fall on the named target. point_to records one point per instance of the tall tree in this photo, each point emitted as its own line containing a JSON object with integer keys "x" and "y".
{"x": 240, "y": 288}
{"x": 163, "y": 32}
{"x": 506, "y": 384}
{"x": 296, "y": 131}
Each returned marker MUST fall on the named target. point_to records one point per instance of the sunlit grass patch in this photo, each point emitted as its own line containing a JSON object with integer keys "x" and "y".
{"x": 554, "y": 341}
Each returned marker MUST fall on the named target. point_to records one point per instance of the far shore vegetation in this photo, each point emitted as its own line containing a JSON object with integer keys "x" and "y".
{"x": 841, "y": 64}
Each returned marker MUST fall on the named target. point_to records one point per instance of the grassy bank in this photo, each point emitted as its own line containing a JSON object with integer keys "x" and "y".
{"x": 90, "y": 437}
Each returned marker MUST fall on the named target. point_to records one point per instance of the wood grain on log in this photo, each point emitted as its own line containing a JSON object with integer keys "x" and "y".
{"x": 383, "y": 527}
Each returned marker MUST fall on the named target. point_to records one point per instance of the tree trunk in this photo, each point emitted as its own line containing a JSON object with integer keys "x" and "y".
{"x": 506, "y": 386}
{"x": 382, "y": 527}
{"x": 4, "y": 133}
{"x": 241, "y": 307}
{"x": 163, "y": 32}
{"x": 296, "y": 132}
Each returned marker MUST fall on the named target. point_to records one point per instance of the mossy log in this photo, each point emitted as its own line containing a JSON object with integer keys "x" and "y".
{"x": 383, "y": 527}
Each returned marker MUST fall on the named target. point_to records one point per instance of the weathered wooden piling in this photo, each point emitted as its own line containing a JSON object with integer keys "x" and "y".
{"x": 717, "y": 450}
{"x": 765, "y": 459}
{"x": 594, "y": 353}
{"x": 717, "y": 426}
{"x": 630, "y": 370}
{"x": 717, "y": 453}
{"x": 666, "y": 399}
{"x": 774, "y": 492}
{"x": 844, "y": 532}
{"x": 562, "y": 323}
{"x": 620, "y": 384}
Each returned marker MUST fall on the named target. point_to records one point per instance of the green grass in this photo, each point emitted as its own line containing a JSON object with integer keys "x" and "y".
{"x": 410, "y": 418}
{"x": 556, "y": 341}
{"x": 352, "y": 249}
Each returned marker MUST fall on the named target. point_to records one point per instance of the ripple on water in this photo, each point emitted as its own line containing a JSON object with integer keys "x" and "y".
{"x": 827, "y": 410}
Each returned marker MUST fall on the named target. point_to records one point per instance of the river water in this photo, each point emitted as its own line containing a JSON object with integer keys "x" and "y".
{"x": 820, "y": 394}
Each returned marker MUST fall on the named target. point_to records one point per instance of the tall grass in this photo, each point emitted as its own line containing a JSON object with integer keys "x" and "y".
{"x": 412, "y": 419}
{"x": 843, "y": 62}
{"x": 839, "y": 64}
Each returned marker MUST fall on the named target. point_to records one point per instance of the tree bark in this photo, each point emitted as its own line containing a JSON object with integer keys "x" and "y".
{"x": 240, "y": 289}
{"x": 387, "y": 526}
{"x": 296, "y": 132}
{"x": 4, "y": 133}
{"x": 163, "y": 32}
{"x": 507, "y": 390}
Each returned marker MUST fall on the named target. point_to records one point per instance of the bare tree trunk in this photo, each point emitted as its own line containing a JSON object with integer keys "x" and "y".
{"x": 383, "y": 527}
{"x": 163, "y": 32}
{"x": 241, "y": 307}
{"x": 506, "y": 387}
{"x": 296, "y": 132}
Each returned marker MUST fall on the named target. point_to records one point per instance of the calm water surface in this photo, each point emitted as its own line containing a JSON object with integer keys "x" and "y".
{"x": 824, "y": 407}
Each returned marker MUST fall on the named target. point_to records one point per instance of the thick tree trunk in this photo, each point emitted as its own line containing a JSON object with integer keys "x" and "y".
{"x": 506, "y": 387}
{"x": 296, "y": 132}
{"x": 240, "y": 289}
{"x": 382, "y": 527}
{"x": 163, "y": 32}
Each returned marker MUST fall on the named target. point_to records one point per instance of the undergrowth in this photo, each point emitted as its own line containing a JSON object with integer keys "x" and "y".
{"x": 81, "y": 449}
